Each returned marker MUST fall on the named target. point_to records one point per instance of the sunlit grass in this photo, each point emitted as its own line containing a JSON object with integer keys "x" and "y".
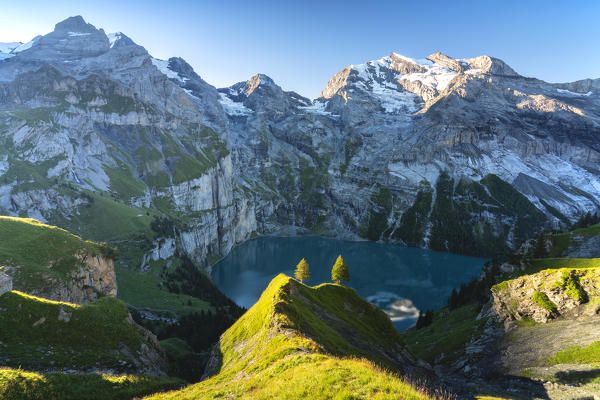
{"x": 282, "y": 349}
{"x": 16, "y": 384}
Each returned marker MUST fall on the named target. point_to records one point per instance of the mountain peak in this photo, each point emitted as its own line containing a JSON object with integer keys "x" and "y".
{"x": 445, "y": 61}
{"x": 74, "y": 24}
{"x": 491, "y": 65}
{"x": 257, "y": 80}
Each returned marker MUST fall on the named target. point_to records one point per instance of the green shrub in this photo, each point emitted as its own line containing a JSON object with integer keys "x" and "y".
{"x": 542, "y": 300}
{"x": 570, "y": 283}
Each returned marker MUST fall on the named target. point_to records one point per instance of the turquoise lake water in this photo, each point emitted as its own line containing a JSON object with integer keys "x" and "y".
{"x": 399, "y": 280}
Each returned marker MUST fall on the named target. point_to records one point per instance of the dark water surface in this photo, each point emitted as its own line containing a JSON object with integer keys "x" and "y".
{"x": 399, "y": 280}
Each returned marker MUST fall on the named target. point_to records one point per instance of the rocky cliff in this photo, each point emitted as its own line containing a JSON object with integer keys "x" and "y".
{"x": 49, "y": 262}
{"x": 5, "y": 283}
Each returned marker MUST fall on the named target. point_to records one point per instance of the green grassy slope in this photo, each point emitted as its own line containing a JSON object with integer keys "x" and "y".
{"x": 300, "y": 342}
{"x": 445, "y": 339}
{"x": 40, "y": 251}
{"x": 562, "y": 241}
{"x": 16, "y": 384}
{"x": 96, "y": 335}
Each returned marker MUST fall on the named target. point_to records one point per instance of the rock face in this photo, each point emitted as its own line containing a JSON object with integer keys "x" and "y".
{"x": 393, "y": 149}
{"x": 93, "y": 277}
{"x": 568, "y": 294}
{"x": 5, "y": 283}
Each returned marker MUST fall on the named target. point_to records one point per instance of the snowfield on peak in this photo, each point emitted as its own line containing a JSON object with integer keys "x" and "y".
{"x": 113, "y": 38}
{"x": 26, "y": 46}
{"x": 163, "y": 66}
{"x": 318, "y": 107}
{"x": 9, "y": 47}
{"x": 232, "y": 107}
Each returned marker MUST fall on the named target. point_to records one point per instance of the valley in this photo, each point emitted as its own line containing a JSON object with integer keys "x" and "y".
{"x": 148, "y": 219}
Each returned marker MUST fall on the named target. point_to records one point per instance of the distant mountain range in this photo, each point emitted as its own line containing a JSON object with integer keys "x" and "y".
{"x": 461, "y": 155}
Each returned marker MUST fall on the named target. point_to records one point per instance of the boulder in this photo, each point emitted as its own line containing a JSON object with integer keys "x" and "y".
{"x": 5, "y": 283}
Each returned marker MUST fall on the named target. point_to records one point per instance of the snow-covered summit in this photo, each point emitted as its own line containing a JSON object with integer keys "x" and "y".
{"x": 393, "y": 76}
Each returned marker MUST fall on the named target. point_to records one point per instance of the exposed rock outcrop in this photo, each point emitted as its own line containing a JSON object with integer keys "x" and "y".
{"x": 94, "y": 276}
{"x": 5, "y": 283}
{"x": 547, "y": 295}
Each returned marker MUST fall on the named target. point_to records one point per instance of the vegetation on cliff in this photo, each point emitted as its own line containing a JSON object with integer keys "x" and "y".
{"x": 43, "y": 253}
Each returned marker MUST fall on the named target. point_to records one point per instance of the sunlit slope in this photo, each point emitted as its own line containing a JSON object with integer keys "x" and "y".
{"x": 39, "y": 334}
{"x": 40, "y": 256}
{"x": 303, "y": 342}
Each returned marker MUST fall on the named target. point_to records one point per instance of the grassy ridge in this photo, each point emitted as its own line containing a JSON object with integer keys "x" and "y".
{"x": 21, "y": 385}
{"x": 40, "y": 251}
{"x": 291, "y": 344}
{"x": 33, "y": 336}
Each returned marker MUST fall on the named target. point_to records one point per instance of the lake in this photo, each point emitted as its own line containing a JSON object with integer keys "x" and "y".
{"x": 399, "y": 280}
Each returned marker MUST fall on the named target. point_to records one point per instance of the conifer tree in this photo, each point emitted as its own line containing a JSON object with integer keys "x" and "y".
{"x": 302, "y": 271}
{"x": 340, "y": 272}
{"x": 540, "y": 251}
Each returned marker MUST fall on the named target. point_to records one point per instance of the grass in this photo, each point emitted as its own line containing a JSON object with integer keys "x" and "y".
{"x": 446, "y": 337}
{"x": 581, "y": 377}
{"x": 559, "y": 263}
{"x": 123, "y": 183}
{"x": 42, "y": 252}
{"x": 176, "y": 348}
{"x": 562, "y": 241}
{"x": 577, "y": 355}
{"x": 570, "y": 283}
{"x": 32, "y": 335}
{"x": 16, "y": 384}
{"x": 104, "y": 218}
{"x": 282, "y": 348}
{"x": 526, "y": 321}
{"x": 142, "y": 290}
{"x": 542, "y": 300}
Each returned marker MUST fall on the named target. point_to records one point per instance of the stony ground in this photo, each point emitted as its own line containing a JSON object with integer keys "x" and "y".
{"x": 526, "y": 347}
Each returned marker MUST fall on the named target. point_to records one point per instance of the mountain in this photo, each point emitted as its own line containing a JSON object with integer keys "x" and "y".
{"x": 100, "y": 138}
{"x": 298, "y": 341}
{"x": 392, "y": 149}
{"x": 396, "y": 148}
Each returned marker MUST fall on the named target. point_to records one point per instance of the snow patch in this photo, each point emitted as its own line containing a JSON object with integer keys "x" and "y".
{"x": 163, "y": 66}
{"x": 232, "y": 107}
{"x": 568, "y": 92}
{"x": 392, "y": 100}
{"x": 375, "y": 76}
{"x": 26, "y": 46}
{"x": 113, "y": 37}
{"x": 74, "y": 34}
{"x": 9, "y": 47}
{"x": 318, "y": 107}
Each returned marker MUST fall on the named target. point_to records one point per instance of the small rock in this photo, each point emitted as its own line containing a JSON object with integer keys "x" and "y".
{"x": 63, "y": 315}
{"x": 39, "y": 321}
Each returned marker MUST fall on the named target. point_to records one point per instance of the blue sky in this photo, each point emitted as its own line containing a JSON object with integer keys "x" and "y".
{"x": 302, "y": 44}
